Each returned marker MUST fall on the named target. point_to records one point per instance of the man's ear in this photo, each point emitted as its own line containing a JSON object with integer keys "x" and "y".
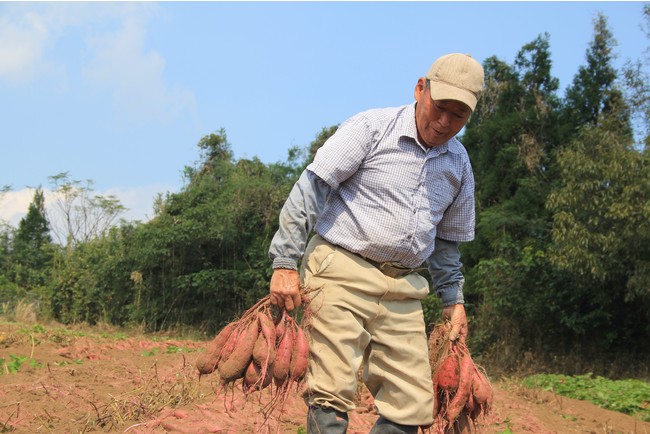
{"x": 419, "y": 88}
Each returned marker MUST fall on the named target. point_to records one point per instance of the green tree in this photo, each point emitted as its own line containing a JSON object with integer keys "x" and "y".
{"x": 637, "y": 81}
{"x": 594, "y": 94}
{"x": 601, "y": 234}
{"x": 600, "y": 214}
{"x": 32, "y": 250}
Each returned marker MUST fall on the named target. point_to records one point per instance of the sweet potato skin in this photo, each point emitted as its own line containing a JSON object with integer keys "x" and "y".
{"x": 299, "y": 356}
{"x": 282, "y": 362}
{"x": 464, "y": 389}
{"x": 208, "y": 361}
{"x": 238, "y": 360}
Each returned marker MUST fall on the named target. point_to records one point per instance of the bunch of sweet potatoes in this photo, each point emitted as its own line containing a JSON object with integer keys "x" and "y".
{"x": 461, "y": 388}
{"x": 261, "y": 348}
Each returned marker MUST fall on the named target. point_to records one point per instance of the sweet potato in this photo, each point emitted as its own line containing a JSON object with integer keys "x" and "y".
{"x": 208, "y": 361}
{"x": 481, "y": 395}
{"x": 267, "y": 327}
{"x": 481, "y": 388}
{"x": 282, "y": 362}
{"x": 464, "y": 389}
{"x": 237, "y": 361}
{"x": 280, "y": 326}
{"x": 251, "y": 375}
{"x": 447, "y": 376}
{"x": 263, "y": 353}
{"x": 255, "y": 379}
{"x": 299, "y": 355}
{"x": 264, "y": 350}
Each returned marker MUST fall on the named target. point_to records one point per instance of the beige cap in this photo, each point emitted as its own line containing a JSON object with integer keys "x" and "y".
{"x": 456, "y": 76}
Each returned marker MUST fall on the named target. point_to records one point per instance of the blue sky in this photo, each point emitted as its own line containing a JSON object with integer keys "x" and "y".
{"x": 120, "y": 93}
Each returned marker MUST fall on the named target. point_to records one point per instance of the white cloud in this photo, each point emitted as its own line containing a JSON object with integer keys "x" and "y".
{"x": 134, "y": 75}
{"x": 22, "y": 43}
{"x": 115, "y": 58}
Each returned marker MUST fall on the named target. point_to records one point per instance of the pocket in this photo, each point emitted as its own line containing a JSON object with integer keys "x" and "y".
{"x": 318, "y": 258}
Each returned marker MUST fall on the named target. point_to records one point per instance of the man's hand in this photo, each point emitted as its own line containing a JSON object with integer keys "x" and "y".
{"x": 456, "y": 315}
{"x": 285, "y": 288}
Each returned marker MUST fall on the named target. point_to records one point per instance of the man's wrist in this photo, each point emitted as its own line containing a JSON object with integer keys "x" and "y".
{"x": 451, "y": 294}
{"x": 286, "y": 263}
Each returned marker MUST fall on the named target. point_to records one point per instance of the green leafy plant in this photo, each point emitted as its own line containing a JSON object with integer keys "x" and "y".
{"x": 173, "y": 349}
{"x": 14, "y": 364}
{"x": 626, "y": 396}
{"x": 149, "y": 353}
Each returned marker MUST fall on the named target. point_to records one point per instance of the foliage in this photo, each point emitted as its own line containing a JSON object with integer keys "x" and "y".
{"x": 81, "y": 216}
{"x": 625, "y": 396}
{"x": 31, "y": 246}
{"x": 601, "y": 234}
{"x": 13, "y": 365}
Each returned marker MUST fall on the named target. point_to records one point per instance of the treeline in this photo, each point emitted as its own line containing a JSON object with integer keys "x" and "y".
{"x": 559, "y": 270}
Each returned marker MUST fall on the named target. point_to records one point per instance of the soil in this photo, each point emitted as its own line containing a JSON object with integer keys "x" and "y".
{"x": 58, "y": 379}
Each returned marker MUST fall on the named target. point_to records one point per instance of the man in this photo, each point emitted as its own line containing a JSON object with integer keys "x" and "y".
{"x": 391, "y": 190}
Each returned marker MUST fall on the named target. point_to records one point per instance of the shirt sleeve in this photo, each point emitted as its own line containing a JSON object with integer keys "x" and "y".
{"x": 445, "y": 268}
{"x": 459, "y": 219}
{"x": 297, "y": 219}
{"x": 343, "y": 153}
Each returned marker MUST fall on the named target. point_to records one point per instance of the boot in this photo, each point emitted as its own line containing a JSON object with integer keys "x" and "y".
{"x": 323, "y": 420}
{"x": 384, "y": 426}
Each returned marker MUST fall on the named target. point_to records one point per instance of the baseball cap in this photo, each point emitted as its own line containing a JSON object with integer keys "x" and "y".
{"x": 456, "y": 76}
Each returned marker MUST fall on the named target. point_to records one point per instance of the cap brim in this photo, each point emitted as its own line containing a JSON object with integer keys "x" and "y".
{"x": 440, "y": 91}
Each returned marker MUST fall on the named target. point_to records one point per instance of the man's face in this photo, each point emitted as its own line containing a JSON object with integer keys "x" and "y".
{"x": 437, "y": 121}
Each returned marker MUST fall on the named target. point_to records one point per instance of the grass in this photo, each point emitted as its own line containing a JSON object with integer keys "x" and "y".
{"x": 147, "y": 401}
{"x": 631, "y": 397}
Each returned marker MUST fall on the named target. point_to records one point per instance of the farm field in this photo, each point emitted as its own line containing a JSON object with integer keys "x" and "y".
{"x": 58, "y": 379}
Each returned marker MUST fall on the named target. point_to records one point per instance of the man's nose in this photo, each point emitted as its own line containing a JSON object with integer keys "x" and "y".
{"x": 445, "y": 119}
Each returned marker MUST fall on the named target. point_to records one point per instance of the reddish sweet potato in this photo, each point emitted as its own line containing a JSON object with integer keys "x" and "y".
{"x": 266, "y": 326}
{"x": 238, "y": 360}
{"x": 299, "y": 356}
{"x": 251, "y": 375}
{"x": 459, "y": 400}
{"x": 264, "y": 351}
{"x": 481, "y": 393}
{"x": 282, "y": 362}
{"x": 208, "y": 361}
{"x": 254, "y": 379}
{"x": 447, "y": 376}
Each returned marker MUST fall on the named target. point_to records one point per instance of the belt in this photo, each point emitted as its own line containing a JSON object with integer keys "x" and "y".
{"x": 390, "y": 269}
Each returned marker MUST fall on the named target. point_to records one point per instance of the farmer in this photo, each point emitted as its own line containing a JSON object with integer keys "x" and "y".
{"x": 391, "y": 191}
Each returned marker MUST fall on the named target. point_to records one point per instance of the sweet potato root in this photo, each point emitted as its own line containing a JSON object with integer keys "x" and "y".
{"x": 208, "y": 361}
{"x": 282, "y": 362}
{"x": 462, "y": 391}
{"x": 238, "y": 360}
{"x": 299, "y": 355}
{"x": 259, "y": 350}
{"x": 459, "y": 400}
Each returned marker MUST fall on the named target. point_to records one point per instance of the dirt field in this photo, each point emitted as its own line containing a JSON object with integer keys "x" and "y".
{"x": 66, "y": 380}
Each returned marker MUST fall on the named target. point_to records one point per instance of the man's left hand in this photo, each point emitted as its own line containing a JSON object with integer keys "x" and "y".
{"x": 456, "y": 316}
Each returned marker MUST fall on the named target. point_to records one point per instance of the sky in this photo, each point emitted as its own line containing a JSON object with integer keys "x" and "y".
{"x": 120, "y": 93}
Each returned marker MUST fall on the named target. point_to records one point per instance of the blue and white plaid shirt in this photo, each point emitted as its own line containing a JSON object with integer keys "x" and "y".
{"x": 379, "y": 193}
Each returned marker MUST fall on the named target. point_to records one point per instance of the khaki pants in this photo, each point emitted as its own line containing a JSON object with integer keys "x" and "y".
{"x": 360, "y": 316}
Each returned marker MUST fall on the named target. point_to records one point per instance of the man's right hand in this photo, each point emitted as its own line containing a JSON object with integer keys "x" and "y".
{"x": 285, "y": 288}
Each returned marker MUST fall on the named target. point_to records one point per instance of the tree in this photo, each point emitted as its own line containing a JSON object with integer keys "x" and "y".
{"x": 594, "y": 95}
{"x": 79, "y": 215}
{"x": 32, "y": 253}
{"x": 601, "y": 234}
{"x": 637, "y": 82}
